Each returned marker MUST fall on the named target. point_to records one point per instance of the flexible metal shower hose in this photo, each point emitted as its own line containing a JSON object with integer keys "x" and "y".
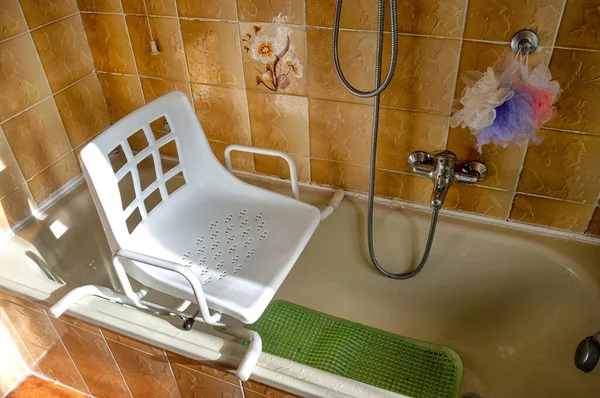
{"x": 379, "y": 87}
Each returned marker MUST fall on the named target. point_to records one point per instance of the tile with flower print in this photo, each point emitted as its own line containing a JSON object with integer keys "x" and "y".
{"x": 274, "y": 11}
{"x": 553, "y": 213}
{"x": 213, "y": 52}
{"x": 580, "y": 25}
{"x": 12, "y": 21}
{"x": 274, "y": 58}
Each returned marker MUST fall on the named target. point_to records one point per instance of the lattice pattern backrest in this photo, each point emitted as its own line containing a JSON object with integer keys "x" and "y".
{"x": 124, "y": 170}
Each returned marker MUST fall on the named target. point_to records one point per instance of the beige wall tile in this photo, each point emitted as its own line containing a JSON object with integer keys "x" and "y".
{"x": 109, "y": 42}
{"x": 22, "y": 81}
{"x": 12, "y": 21}
{"x": 192, "y": 383}
{"x": 278, "y": 167}
{"x": 276, "y": 11}
{"x": 291, "y": 80}
{"x": 149, "y": 372}
{"x": 39, "y": 12}
{"x": 153, "y": 7}
{"x": 474, "y": 199}
{"x": 100, "y": 5}
{"x": 594, "y": 227}
{"x": 154, "y": 88}
{"x": 14, "y": 207}
{"x": 212, "y": 9}
{"x": 504, "y": 164}
{"x": 357, "y": 59}
{"x": 279, "y": 122}
{"x": 499, "y": 20}
{"x": 429, "y": 17}
{"x": 580, "y": 25}
{"x": 64, "y": 52}
{"x": 170, "y": 62}
{"x": 223, "y": 113}
{"x": 257, "y": 390}
{"x": 37, "y": 138}
{"x": 337, "y": 174}
{"x": 83, "y": 110}
{"x": 241, "y": 161}
{"x": 425, "y": 74}
{"x": 213, "y": 52}
{"x": 10, "y": 174}
{"x": 579, "y": 78}
{"x": 563, "y": 166}
{"x": 404, "y": 186}
{"x": 551, "y": 213}
{"x": 123, "y": 94}
{"x": 48, "y": 181}
{"x": 340, "y": 131}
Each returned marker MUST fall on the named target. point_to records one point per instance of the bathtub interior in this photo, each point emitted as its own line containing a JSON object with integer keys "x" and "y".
{"x": 512, "y": 303}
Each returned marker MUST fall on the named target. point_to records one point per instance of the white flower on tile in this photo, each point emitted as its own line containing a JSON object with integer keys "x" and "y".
{"x": 294, "y": 65}
{"x": 263, "y": 49}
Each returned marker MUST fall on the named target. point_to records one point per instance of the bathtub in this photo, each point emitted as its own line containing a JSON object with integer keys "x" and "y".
{"x": 512, "y": 301}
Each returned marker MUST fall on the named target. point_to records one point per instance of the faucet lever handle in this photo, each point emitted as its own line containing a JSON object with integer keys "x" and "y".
{"x": 421, "y": 163}
{"x": 472, "y": 172}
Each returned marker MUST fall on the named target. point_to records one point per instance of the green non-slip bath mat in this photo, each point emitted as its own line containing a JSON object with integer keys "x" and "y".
{"x": 358, "y": 352}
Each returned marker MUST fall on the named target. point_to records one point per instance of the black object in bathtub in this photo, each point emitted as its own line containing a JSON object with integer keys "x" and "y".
{"x": 394, "y": 363}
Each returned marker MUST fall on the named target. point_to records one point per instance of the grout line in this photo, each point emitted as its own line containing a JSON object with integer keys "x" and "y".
{"x": 137, "y": 75}
{"x": 44, "y": 377}
{"x": 56, "y": 20}
{"x": 115, "y": 361}
{"x": 512, "y": 203}
{"x": 556, "y": 199}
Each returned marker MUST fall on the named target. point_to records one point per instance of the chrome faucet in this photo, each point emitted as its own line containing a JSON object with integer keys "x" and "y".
{"x": 440, "y": 167}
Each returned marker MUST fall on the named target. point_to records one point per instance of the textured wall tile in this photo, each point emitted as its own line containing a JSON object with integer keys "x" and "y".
{"x": 580, "y": 25}
{"x": 255, "y": 389}
{"x": 100, "y": 5}
{"x": 170, "y": 62}
{"x": 10, "y": 174}
{"x": 357, "y": 59}
{"x": 39, "y": 12}
{"x": 504, "y": 164}
{"x": 337, "y": 174}
{"x": 223, "y": 113}
{"x": 202, "y": 367}
{"x": 149, "y": 372}
{"x": 14, "y": 207}
{"x": 500, "y": 19}
{"x": 579, "y": 77}
{"x": 241, "y": 161}
{"x": 37, "y": 138}
{"x": 22, "y": 81}
{"x": 196, "y": 384}
{"x": 154, "y": 88}
{"x": 94, "y": 360}
{"x": 213, "y": 52}
{"x": 563, "y": 166}
{"x": 429, "y": 17}
{"x": 48, "y": 181}
{"x": 479, "y": 56}
{"x": 292, "y": 67}
{"x": 56, "y": 365}
{"x": 279, "y": 122}
{"x": 278, "y": 167}
{"x": 12, "y": 21}
{"x": 404, "y": 186}
{"x": 133, "y": 343}
{"x": 425, "y": 74}
{"x": 154, "y": 7}
{"x": 34, "y": 327}
{"x": 594, "y": 227}
{"x": 276, "y": 11}
{"x": 83, "y": 110}
{"x": 64, "y": 52}
{"x": 212, "y": 9}
{"x": 123, "y": 94}
{"x": 473, "y": 199}
{"x": 551, "y": 212}
{"x": 109, "y": 42}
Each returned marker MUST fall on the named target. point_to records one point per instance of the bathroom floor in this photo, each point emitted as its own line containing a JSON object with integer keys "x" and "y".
{"x": 34, "y": 387}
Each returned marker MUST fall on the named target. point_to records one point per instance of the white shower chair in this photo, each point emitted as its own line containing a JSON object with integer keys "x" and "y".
{"x": 216, "y": 241}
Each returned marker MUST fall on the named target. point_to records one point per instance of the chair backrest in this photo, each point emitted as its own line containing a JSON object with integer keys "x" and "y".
{"x": 112, "y": 161}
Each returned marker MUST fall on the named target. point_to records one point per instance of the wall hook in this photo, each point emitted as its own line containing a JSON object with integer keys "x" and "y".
{"x": 524, "y": 42}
